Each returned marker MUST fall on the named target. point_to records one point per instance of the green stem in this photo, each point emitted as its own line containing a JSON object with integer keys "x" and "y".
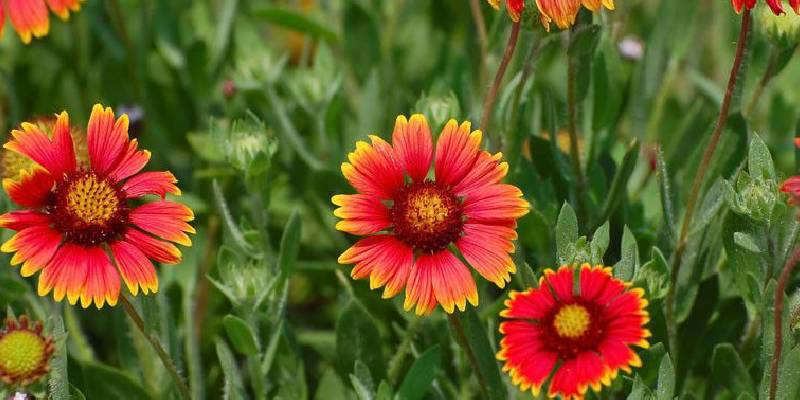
{"x": 396, "y": 363}
{"x": 783, "y": 281}
{"x": 769, "y": 73}
{"x": 156, "y": 344}
{"x": 483, "y": 39}
{"x": 672, "y": 323}
{"x": 458, "y": 331}
{"x": 491, "y": 96}
{"x": 574, "y": 152}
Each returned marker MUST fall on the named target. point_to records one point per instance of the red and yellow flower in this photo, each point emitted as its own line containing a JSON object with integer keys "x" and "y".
{"x": 30, "y": 18}
{"x": 791, "y": 187}
{"x": 562, "y": 12}
{"x": 584, "y": 331}
{"x": 414, "y": 220}
{"x": 775, "y": 5}
{"x": 78, "y": 226}
{"x": 25, "y": 352}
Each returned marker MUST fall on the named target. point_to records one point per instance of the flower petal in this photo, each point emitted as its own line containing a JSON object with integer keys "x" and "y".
{"x": 102, "y": 280}
{"x": 65, "y": 274}
{"x": 527, "y": 358}
{"x": 362, "y": 214}
{"x": 136, "y": 269}
{"x": 495, "y": 204}
{"x": 562, "y": 12}
{"x": 532, "y": 304}
{"x": 63, "y": 7}
{"x": 56, "y": 156}
{"x": 373, "y": 169}
{"x": 456, "y": 152}
{"x": 153, "y": 182}
{"x": 488, "y": 170}
{"x": 29, "y": 18}
{"x": 441, "y": 277}
{"x": 165, "y": 219}
{"x": 131, "y": 162}
{"x": 107, "y": 138}
{"x": 413, "y": 145}
{"x": 382, "y": 258}
{"x": 34, "y": 246}
{"x": 154, "y": 249}
{"x": 19, "y": 220}
{"x": 486, "y": 249}
{"x": 561, "y": 282}
{"x": 33, "y": 189}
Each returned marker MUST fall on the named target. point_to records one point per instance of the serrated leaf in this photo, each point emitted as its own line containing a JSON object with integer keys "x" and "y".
{"x": 240, "y": 335}
{"x": 420, "y": 377}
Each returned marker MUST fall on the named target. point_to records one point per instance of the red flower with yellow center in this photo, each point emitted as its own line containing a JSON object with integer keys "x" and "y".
{"x": 562, "y": 12}
{"x": 78, "y": 226}
{"x": 582, "y": 331}
{"x": 30, "y": 17}
{"x": 24, "y": 352}
{"x": 775, "y": 5}
{"x": 414, "y": 221}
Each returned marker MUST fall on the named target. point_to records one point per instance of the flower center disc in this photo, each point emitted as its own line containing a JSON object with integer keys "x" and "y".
{"x": 427, "y": 216}
{"x": 572, "y": 321}
{"x": 88, "y": 209}
{"x": 21, "y": 353}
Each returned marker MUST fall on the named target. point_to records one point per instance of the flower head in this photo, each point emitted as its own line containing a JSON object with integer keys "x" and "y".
{"x": 30, "y": 17}
{"x": 12, "y": 163}
{"x": 775, "y": 5}
{"x": 562, "y": 12}
{"x": 24, "y": 352}
{"x": 584, "y": 331}
{"x": 78, "y": 225}
{"x": 414, "y": 221}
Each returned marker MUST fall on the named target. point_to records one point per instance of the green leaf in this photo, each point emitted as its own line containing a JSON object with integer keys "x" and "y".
{"x": 295, "y": 21}
{"x": 113, "y": 383}
{"x": 357, "y": 339}
{"x": 639, "y": 391}
{"x": 664, "y": 191}
{"x": 789, "y": 376}
{"x": 58, "y": 380}
{"x": 666, "y": 379}
{"x": 484, "y": 355}
{"x": 234, "y": 388}
{"x": 241, "y": 336}
{"x": 654, "y": 275}
{"x": 566, "y": 234}
{"x": 745, "y": 241}
{"x": 384, "y": 391}
{"x": 599, "y": 244}
{"x": 362, "y": 382}
{"x": 629, "y": 263}
{"x": 330, "y": 387}
{"x": 619, "y": 184}
{"x": 290, "y": 245}
{"x": 729, "y": 370}
{"x": 759, "y": 160}
{"x": 420, "y": 377}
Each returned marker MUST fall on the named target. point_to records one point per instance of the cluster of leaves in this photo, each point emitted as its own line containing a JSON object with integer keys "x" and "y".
{"x": 254, "y": 104}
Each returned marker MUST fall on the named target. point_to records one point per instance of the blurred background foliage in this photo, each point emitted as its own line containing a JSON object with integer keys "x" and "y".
{"x": 253, "y": 105}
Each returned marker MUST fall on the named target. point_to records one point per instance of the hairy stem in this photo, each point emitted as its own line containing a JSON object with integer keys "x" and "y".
{"x": 491, "y": 96}
{"x": 458, "y": 331}
{"x": 672, "y": 324}
{"x": 783, "y": 281}
{"x": 156, "y": 344}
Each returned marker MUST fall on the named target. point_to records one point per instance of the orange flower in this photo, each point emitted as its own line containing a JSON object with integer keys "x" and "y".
{"x": 30, "y": 18}
{"x": 413, "y": 222}
{"x": 24, "y": 352}
{"x": 562, "y": 12}
{"x": 77, "y": 219}
{"x": 775, "y": 5}
{"x": 583, "y": 331}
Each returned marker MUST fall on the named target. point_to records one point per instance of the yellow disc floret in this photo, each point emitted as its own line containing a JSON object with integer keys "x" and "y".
{"x": 92, "y": 200}
{"x": 572, "y": 321}
{"x": 427, "y": 210}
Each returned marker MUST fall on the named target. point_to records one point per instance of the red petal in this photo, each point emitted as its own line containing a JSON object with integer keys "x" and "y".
{"x": 131, "y": 162}
{"x": 136, "y": 270}
{"x": 495, "y": 204}
{"x": 527, "y": 358}
{"x": 488, "y": 170}
{"x": 33, "y": 189}
{"x": 102, "y": 280}
{"x": 796, "y": 6}
{"x": 56, "y": 156}
{"x": 29, "y": 18}
{"x": 486, "y": 249}
{"x": 65, "y": 274}
{"x": 386, "y": 260}
{"x": 107, "y": 138}
{"x": 19, "y": 220}
{"x": 373, "y": 169}
{"x": 363, "y": 214}
{"x": 456, "y": 152}
{"x": 63, "y": 7}
{"x": 165, "y": 219}
{"x": 34, "y": 246}
{"x": 776, "y": 6}
{"x": 441, "y": 277}
{"x": 154, "y": 182}
{"x": 561, "y": 282}
{"x": 154, "y": 249}
{"x": 535, "y": 303}
{"x": 594, "y": 281}
{"x": 413, "y": 145}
